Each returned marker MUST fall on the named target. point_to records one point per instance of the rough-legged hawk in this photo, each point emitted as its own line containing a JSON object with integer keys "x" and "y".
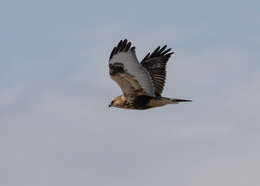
{"x": 141, "y": 83}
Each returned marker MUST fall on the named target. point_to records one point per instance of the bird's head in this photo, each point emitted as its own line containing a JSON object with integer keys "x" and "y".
{"x": 117, "y": 102}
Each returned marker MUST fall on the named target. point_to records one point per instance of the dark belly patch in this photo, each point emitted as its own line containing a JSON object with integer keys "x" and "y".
{"x": 140, "y": 102}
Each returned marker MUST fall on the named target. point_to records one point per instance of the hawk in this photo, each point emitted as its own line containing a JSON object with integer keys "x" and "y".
{"x": 141, "y": 83}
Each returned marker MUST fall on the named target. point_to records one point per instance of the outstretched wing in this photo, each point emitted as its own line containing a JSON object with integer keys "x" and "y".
{"x": 128, "y": 73}
{"x": 155, "y": 64}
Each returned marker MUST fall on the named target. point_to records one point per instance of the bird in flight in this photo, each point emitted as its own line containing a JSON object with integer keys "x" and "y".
{"x": 141, "y": 83}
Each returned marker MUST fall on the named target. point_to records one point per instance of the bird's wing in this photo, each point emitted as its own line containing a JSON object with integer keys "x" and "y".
{"x": 155, "y": 64}
{"x": 128, "y": 73}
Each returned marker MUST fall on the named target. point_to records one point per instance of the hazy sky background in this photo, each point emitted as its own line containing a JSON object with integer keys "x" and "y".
{"x": 55, "y": 124}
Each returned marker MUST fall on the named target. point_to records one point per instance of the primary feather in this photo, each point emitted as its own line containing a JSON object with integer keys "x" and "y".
{"x": 156, "y": 65}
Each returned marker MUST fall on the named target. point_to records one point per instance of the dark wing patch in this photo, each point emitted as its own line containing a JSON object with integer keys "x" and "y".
{"x": 122, "y": 46}
{"x": 116, "y": 68}
{"x": 155, "y": 64}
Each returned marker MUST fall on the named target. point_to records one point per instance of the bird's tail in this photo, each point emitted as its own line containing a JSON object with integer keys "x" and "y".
{"x": 164, "y": 101}
{"x": 176, "y": 100}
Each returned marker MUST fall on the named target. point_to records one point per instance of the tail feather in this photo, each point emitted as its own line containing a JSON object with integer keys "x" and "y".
{"x": 174, "y": 100}
{"x": 158, "y": 102}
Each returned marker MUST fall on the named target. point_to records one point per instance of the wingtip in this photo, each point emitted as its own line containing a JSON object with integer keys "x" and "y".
{"x": 132, "y": 49}
{"x": 123, "y": 45}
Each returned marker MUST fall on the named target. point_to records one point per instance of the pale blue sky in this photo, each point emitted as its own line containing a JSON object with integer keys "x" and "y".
{"x": 55, "y": 124}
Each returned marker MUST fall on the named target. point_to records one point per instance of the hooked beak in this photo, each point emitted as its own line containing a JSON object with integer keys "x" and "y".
{"x": 109, "y": 105}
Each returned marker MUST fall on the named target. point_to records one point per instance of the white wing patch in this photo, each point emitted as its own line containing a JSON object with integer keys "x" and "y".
{"x": 125, "y": 55}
